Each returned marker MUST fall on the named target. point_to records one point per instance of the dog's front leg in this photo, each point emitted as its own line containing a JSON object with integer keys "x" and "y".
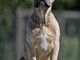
{"x": 34, "y": 57}
{"x": 55, "y": 51}
{"x": 56, "y": 41}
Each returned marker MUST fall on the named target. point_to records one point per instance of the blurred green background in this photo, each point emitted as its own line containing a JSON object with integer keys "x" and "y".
{"x": 14, "y": 15}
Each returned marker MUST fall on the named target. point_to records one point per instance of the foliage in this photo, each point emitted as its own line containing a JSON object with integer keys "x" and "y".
{"x": 7, "y": 10}
{"x": 66, "y": 4}
{"x": 69, "y": 48}
{"x": 16, "y": 3}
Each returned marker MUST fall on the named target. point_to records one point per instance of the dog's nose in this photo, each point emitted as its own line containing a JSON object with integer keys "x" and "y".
{"x": 47, "y": 3}
{"x": 42, "y": 3}
{"x": 38, "y": 3}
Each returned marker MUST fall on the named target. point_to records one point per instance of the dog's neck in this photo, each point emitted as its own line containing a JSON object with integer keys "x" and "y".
{"x": 40, "y": 15}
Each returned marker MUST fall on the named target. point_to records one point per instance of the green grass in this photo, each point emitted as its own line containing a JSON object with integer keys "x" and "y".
{"x": 6, "y": 51}
{"x": 69, "y": 48}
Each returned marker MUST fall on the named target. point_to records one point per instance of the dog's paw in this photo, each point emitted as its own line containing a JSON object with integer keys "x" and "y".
{"x": 34, "y": 58}
{"x": 22, "y": 58}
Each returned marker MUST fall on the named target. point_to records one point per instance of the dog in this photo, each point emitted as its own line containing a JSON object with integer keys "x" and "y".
{"x": 43, "y": 33}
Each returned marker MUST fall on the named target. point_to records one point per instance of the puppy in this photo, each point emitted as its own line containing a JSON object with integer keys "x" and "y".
{"x": 43, "y": 33}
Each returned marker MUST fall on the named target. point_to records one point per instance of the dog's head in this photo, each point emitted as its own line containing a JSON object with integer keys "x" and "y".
{"x": 46, "y": 3}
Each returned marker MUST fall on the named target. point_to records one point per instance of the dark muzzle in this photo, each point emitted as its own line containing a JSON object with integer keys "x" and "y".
{"x": 38, "y": 3}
